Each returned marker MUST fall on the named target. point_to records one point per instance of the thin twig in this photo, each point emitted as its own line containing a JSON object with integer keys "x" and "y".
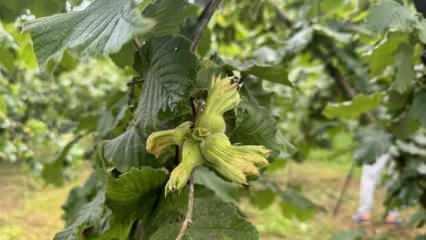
{"x": 203, "y": 20}
{"x": 188, "y": 217}
{"x": 334, "y": 73}
{"x": 348, "y": 180}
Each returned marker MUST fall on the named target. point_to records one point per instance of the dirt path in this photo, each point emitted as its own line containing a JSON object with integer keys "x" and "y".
{"x": 29, "y": 210}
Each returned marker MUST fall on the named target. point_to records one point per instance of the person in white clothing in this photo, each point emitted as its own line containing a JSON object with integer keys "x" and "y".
{"x": 371, "y": 175}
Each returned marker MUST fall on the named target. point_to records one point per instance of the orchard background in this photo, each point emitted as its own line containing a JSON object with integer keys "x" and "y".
{"x": 209, "y": 119}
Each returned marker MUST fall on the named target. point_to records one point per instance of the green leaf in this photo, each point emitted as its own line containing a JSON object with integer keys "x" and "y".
{"x": 383, "y": 55}
{"x": 262, "y": 198}
{"x": 348, "y": 235}
{"x": 277, "y": 73}
{"x": 372, "y": 143}
{"x": 417, "y": 110}
{"x": 212, "y": 218}
{"x": 226, "y": 191}
{"x": 168, "y": 69}
{"x": 26, "y": 57}
{"x": 353, "y": 109}
{"x": 405, "y": 75}
{"x": 10, "y": 10}
{"x": 127, "y": 150}
{"x": 125, "y": 194}
{"x": 88, "y": 216}
{"x": 294, "y": 204}
{"x": 130, "y": 197}
{"x": 101, "y": 29}
{"x": 255, "y": 123}
{"x": 274, "y": 73}
{"x": 54, "y": 172}
{"x": 8, "y": 49}
{"x": 390, "y": 14}
{"x": 78, "y": 197}
{"x": 169, "y": 16}
{"x": 256, "y": 126}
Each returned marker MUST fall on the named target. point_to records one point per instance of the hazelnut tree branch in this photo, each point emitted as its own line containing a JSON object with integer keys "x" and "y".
{"x": 203, "y": 21}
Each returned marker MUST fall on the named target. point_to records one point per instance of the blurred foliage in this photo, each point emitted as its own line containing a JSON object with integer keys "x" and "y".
{"x": 322, "y": 78}
{"x": 41, "y": 112}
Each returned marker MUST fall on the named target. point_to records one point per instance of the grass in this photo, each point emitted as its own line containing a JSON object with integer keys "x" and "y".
{"x": 30, "y": 210}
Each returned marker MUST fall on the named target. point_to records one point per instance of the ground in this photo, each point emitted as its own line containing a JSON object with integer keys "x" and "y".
{"x": 30, "y": 210}
{"x": 321, "y": 182}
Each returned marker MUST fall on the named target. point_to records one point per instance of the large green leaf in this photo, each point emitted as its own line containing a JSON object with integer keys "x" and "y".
{"x": 255, "y": 126}
{"x": 212, "y": 219}
{"x": 226, "y": 191}
{"x": 353, "y": 109}
{"x": 390, "y": 14}
{"x": 124, "y": 195}
{"x": 130, "y": 197}
{"x": 168, "y": 69}
{"x": 88, "y": 216}
{"x": 10, "y": 10}
{"x": 127, "y": 150}
{"x": 78, "y": 197}
{"x": 169, "y": 16}
{"x": 255, "y": 123}
{"x": 405, "y": 75}
{"x": 102, "y": 28}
